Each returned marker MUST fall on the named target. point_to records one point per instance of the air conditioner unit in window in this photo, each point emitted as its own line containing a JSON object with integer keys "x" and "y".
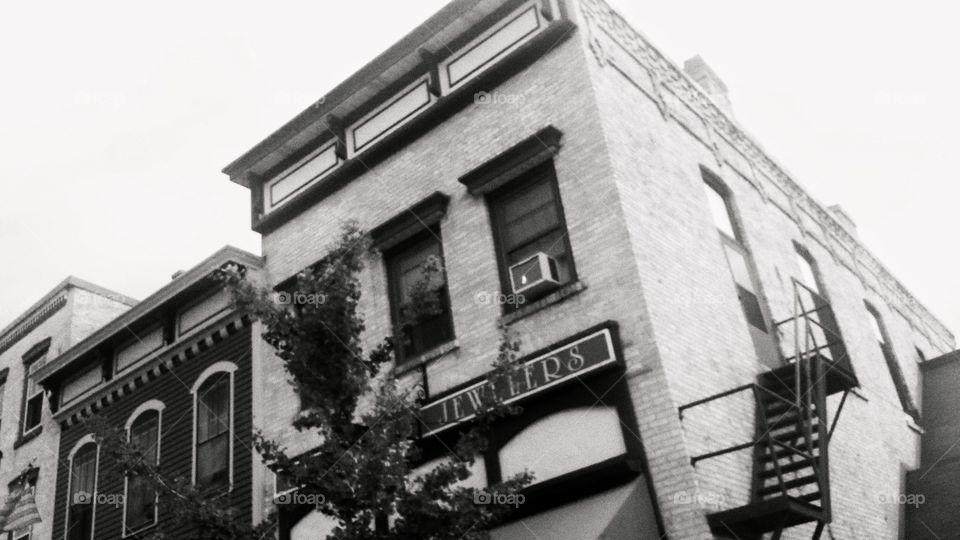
{"x": 534, "y": 275}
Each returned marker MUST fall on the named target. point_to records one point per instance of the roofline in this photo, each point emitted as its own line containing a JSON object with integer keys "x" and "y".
{"x": 940, "y": 361}
{"x": 149, "y": 304}
{"x": 407, "y": 45}
{"x": 68, "y": 282}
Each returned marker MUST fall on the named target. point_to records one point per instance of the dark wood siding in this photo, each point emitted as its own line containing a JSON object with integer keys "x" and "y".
{"x": 176, "y": 452}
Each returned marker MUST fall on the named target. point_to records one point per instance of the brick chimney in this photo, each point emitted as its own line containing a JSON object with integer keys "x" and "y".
{"x": 701, "y": 73}
{"x": 844, "y": 218}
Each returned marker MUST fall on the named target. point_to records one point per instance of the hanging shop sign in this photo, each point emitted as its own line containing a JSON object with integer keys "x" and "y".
{"x": 557, "y": 366}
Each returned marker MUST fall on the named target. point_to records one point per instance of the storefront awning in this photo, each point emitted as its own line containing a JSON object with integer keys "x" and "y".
{"x": 623, "y": 512}
{"x": 19, "y": 510}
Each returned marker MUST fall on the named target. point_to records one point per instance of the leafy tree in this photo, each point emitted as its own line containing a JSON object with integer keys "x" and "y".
{"x": 361, "y": 472}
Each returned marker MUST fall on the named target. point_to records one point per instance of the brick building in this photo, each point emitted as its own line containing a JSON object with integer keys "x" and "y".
{"x": 932, "y": 495}
{"x": 545, "y": 149}
{"x": 175, "y": 372}
{"x": 28, "y": 435}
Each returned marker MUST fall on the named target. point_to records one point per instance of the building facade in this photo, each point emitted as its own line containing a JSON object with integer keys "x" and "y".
{"x": 28, "y": 435}
{"x": 932, "y": 494}
{"x": 668, "y": 280}
{"x": 175, "y": 373}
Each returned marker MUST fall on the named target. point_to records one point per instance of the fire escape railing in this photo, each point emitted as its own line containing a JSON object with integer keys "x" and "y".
{"x": 794, "y": 398}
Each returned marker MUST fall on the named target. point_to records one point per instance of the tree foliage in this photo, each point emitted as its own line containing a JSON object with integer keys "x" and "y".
{"x": 363, "y": 470}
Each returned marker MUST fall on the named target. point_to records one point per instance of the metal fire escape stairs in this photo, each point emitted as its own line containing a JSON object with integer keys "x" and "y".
{"x": 791, "y": 467}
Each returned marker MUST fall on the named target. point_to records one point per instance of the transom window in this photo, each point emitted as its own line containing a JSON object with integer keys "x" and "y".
{"x": 720, "y": 210}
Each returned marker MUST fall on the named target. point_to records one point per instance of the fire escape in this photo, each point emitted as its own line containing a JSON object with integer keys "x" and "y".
{"x": 791, "y": 467}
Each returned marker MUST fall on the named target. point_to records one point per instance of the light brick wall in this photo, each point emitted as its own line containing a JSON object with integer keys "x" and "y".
{"x": 549, "y": 92}
{"x": 705, "y": 346}
{"x": 84, "y": 312}
{"x": 649, "y": 255}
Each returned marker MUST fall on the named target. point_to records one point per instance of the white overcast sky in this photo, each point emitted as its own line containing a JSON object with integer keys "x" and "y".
{"x": 116, "y": 118}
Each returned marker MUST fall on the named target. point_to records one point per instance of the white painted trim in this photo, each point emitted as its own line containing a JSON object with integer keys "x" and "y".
{"x": 258, "y": 470}
{"x": 421, "y": 84}
{"x": 495, "y": 55}
{"x": 27, "y": 373}
{"x": 86, "y": 439}
{"x": 26, "y": 407}
{"x": 219, "y": 367}
{"x": 152, "y": 353}
{"x": 203, "y": 323}
{"x": 150, "y": 405}
{"x": 305, "y": 164}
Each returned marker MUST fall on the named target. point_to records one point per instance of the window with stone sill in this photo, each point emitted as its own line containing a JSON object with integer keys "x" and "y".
{"x": 528, "y": 219}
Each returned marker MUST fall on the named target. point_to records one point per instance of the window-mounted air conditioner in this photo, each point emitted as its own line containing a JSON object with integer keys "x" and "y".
{"x": 534, "y": 274}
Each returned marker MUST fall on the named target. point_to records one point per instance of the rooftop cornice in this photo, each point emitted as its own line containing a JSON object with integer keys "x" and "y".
{"x": 225, "y": 255}
{"x": 49, "y": 304}
{"x": 720, "y": 130}
{"x": 408, "y": 46}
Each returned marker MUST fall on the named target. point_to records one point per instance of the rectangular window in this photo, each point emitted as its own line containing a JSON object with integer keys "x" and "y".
{"x": 33, "y": 399}
{"x": 823, "y": 327}
{"x": 720, "y": 210}
{"x": 80, "y": 384}
{"x": 82, "y": 493}
{"x": 213, "y": 431}
{"x": 738, "y": 258}
{"x": 899, "y": 381}
{"x": 528, "y": 219}
{"x": 141, "y": 499}
{"x": 420, "y": 303}
{"x": 813, "y": 301}
{"x": 141, "y": 346}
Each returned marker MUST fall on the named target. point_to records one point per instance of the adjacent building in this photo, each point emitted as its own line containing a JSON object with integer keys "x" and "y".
{"x": 28, "y": 434}
{"x": 711, "y": 352}
{"x": 932, "y": 494}
{"x": 175, "y": 372}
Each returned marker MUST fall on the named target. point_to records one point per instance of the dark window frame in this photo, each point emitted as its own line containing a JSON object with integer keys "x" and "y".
{"x": 219, "y": 479}
{"x": 36, "y": 354}
{"x": 431, "y": 235}
{"x": 755, "y": 313}
{"x": 825, "y": 314}
{"x": 152, "y": 415}
{"x": 543, "y": 172}
{"x": 893, "y": 365}
{"x": 88, "y": 517}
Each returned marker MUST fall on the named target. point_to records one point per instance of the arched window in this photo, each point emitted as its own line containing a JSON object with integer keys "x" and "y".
{"x": 140, "y": 502}
{"x": 213, "y": 426}
{"x": 82, "y": 489}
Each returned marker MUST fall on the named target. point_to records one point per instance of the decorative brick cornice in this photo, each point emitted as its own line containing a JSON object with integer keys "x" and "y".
{"x": 34, "y": 320}
{"x": 671, "y": 90}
